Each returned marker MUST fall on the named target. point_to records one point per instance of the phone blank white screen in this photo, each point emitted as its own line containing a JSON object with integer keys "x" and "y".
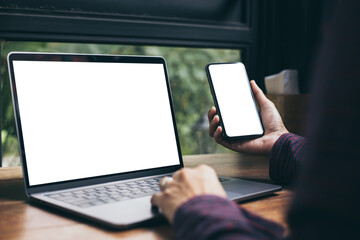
{"x": 86, "y": 119}
{"x": 233, "y": 94}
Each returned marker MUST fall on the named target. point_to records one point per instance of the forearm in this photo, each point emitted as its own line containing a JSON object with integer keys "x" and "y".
{"x": 286, "y": 157}
{"x": 212, "y": 217}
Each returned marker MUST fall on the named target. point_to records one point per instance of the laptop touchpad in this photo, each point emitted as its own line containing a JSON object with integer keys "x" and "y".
{"x": 233, "y": 195}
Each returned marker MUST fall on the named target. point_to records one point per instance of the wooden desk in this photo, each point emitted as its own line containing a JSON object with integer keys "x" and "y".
{"x": 21, "y": 220}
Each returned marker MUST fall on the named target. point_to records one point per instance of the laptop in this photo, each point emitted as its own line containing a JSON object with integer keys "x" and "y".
{"x": 97, "y": 133}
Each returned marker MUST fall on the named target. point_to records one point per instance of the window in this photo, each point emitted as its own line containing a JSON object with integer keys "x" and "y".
{"x": 188, "y": 34}
{"x": 191, "y": 94}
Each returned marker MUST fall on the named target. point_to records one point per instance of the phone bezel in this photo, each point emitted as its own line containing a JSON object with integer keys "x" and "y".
{"x": 218, "y": 110}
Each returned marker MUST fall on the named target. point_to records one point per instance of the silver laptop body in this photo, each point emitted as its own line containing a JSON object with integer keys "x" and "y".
{"x": 97, "y": 132}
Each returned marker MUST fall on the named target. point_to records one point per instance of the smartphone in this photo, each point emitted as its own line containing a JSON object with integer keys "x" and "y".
{"x": 234, "y": 101}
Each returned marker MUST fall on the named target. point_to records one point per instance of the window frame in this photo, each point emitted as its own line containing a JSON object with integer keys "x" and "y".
{"x": 20, "y": 22}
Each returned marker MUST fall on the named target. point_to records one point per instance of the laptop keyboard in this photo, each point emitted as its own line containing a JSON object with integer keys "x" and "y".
{"x": 89, "y": 197}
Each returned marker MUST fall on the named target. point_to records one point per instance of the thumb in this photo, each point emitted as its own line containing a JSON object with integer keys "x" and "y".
{"x": 156, "y": 199}
{"x": 259, "y": 95}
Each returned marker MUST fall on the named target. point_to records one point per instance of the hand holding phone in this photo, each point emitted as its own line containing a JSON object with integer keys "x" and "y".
{"x": 234, "y": 101}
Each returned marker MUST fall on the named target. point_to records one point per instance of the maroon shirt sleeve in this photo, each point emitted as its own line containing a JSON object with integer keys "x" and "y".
{"x": 286, "y": 157}
{"x": 213, "y": 217}
{"x": 327, "y": 200}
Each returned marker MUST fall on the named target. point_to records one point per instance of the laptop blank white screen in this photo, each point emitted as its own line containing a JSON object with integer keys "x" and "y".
{"x": 87, "y": 119}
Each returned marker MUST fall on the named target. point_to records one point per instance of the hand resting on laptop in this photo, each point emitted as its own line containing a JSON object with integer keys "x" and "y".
{"x": 185, "y": 184}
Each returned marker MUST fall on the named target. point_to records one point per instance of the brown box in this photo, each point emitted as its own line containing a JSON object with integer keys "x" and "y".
{"x": 293, "y": 110}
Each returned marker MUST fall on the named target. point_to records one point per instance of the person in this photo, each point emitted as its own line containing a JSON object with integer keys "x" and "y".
{"x": 325, "y": 166}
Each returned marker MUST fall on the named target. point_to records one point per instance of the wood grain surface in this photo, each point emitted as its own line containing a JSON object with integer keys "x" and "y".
{"x": 20, "y": 219}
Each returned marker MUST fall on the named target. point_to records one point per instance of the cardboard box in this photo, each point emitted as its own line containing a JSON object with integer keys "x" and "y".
{"x": 293, "y": 110}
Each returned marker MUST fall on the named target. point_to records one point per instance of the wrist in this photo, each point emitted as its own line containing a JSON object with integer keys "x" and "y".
{"x": 273, "y": 138}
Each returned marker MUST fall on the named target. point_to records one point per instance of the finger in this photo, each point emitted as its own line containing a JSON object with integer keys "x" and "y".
{"x": 259, "y": 95}
{"x": 211, "y": 113}
{"x": 205, "y": 168}
{"x": 178, "y": 175}
{"x": 214, "y": 123}
{"x": 218, "y": 138}
{"x": 155, "y": 199}
{"x": 182, "y": 176}
{"x": 218, "y": 133}
{"x": 164, "y": 182}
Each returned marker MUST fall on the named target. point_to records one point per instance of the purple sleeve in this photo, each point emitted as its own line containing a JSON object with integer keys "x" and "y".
{"x": 327, "y": 200}
{"x": 285, "y": 158}
{"x": 213, "y": 217}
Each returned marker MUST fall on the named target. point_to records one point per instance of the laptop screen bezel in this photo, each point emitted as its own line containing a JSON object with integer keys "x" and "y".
{"x": 26, "y": 56}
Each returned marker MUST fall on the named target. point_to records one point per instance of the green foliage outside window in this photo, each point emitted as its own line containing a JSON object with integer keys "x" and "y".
{"x": 190, "y": 90}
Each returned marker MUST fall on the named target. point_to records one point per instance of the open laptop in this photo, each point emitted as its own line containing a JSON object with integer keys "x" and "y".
{"x": 97, "y": 133}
